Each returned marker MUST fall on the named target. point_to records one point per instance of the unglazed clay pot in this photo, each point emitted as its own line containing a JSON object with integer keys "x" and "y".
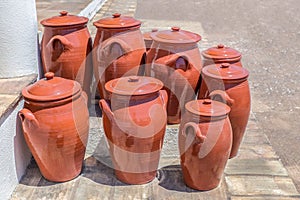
{"x": 119, "y": 49}
{"x": 66, "y": 48}
{"x": 228, "y": 83}
{"x": 221, "y": 54}
{"x": 55, "y": 123}
{"x": 147, "y": 38}
{"x": 175, "y": 59}
{"x": 205, "y": 139}
{"x": 135, "y": 126}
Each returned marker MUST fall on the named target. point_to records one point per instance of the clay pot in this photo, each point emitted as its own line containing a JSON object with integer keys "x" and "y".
{"x": 147, "y": 38}
{"x": 135, "y": 126}
{"x": 205, "y": 139}
{"x": 175, "y": 59}
{"x": 119, "y": 49}
{"x": 221, "y": 54}
{"x": 66, "y": 47}
{"x": 228, "y": 83}
{"x": 55, "y": 123}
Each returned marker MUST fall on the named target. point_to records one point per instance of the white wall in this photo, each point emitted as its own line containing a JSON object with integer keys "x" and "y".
{"x": 18, "y": 38}
{"x": 14, "y": 153}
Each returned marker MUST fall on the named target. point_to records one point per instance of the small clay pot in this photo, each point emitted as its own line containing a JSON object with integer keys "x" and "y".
{"x": 221, "y": 54}
{"x": 55, "y": 123}
{"x": 66, "y": 48}
{"x": 119, "y": 49}
{"x": 147, "y": 39}
{"x": 228, "y": 83}
{"x": 175, "y": 59}
{"x": 205, "y": 139}
{"x": 135, "y": 126}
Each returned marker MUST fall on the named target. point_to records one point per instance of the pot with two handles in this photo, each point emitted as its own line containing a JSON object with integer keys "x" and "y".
{"x": 174, "y": 58}
{"x": 55, "y": 122}
{"x": 66, "y": 48}
{"x": 134, "y": 124}
{"x": 118, "y": 49}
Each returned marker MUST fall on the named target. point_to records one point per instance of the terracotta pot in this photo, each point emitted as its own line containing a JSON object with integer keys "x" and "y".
{"x": 205, "y": 139}
{"x": 228, "y": 83}
{"x": 55, "y": 123}
{"x": 119, "y": 49}
{"x": 66, "y": 48}
{"x": 147, "y": 38}
{"x": 175, "y": 59}
{"x": 135, "y": 126}
{"x": 221, "y": 54}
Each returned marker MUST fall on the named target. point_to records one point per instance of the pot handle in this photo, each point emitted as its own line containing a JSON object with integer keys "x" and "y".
{"x": 85, "y": 97}
{"x": 225, "y": 98}
{"x": 114, "y": 48}
{"x": 194, "y": 128}
{"x": 164, "y": 96}
{"x": 26, "y": 114}
{"x": 106, "y": 109}
{"x": 57, "y": 45}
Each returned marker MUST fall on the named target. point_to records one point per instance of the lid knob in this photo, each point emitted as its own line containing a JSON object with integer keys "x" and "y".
{"x": 175, "y": 28}
{"x": 63, "y": 13}
{"x": 49, "y": 75}
{"x": 116, "y": 15}
{"x": 207, "y": 101}
{"x": 154, "y": 30}
{"x": 221, "y": 46}
{"x": 133, "y": 79}
{"x": 225, "y": 65}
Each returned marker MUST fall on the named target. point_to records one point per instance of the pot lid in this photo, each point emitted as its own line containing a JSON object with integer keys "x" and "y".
{"x": 147, "y": 36}
{"x": 221, "y": 52}
{"x": 117, "y": 21}
{"x": 175, "y": 35}
{"x": 207, "y": 107}
{"x": 225, "y": 71}
{"x": 51, "y": 88}
{"x": 64, "y": 19}
{"x": 133, "y": 85}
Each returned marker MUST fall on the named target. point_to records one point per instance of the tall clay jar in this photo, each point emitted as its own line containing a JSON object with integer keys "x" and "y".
{"x": 55, "y": 123}
{"x": 66, "y": 48}
{"x": 205, "y": 139}
{"x": 221, "y": 54}
{"x": 228, "y": 83}
{"x": 134, "y": 126}
{"x": 174, "y": 58}
{"x": 118, "y": 49}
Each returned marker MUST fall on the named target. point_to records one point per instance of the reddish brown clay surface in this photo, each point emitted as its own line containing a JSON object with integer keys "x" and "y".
{"x": 147, "y": 38}
{"x": 55, "y": 123}
{"x": 175, "y": 59}
{"x": 135, "y": 126}
{"x": 205, "y": 139}
{"x": 66, "y": 48}
{"x": 118, "y": 49}
{"x": 228, "y": 83}
{"x": 221, "y": 54}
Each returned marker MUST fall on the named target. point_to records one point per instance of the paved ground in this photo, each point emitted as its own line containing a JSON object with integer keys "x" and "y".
{"x": 261, "y": 171}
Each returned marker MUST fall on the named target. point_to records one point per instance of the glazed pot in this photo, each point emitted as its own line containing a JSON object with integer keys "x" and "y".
{"x": 55, "y": 123}
{"x": 119, "y": 49}
{"x": 228, "y": 83}
{"x": 135, "y": 126}
{"x": 205, "y": 139}
{"x": 66, "y": 48}
{"x": 221, "y": 54}
{"x": 175, "y": 59}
